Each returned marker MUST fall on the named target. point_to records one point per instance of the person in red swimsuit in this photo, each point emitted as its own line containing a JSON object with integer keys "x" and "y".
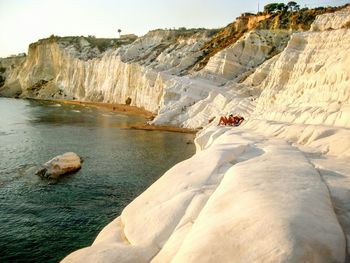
{"x": 231, "y": 120}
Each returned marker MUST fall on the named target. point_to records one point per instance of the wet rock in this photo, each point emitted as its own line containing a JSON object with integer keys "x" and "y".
{"x": 62, "y": 164}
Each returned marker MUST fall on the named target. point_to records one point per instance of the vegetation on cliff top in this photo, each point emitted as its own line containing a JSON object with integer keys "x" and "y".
{"x": 277, "y": 16}
{"x": 102, "y": 44}
{"x": 183, "y": 32}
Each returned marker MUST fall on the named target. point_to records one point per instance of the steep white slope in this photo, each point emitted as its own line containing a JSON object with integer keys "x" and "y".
{"x": 56, "y": 69}
{"x": 309, "y": 83}
{"x": 114, "y": 81}
{"x": 9, "y": 64}
{"x": 260, "y": 209}
{"x": 246, "y": 54}
{"x": 260, "y": 192}
{"x": 338, "y": 20}
{"x": 197, "y": 99}
{"x": 229, "y": 199}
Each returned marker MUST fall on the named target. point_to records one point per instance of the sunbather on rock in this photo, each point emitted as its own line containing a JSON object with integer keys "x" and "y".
{"x": 231, "y": 120}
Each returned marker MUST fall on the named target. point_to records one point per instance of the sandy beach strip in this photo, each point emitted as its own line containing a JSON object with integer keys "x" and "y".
{"x": 129, "y": 110}
{"x": 110, "y": 107}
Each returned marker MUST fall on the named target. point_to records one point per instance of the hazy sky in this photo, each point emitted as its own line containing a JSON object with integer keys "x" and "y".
{"x": 25, "y": 21}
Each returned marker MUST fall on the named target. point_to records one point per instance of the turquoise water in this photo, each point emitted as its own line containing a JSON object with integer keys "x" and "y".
{"x": 43, "y": 221}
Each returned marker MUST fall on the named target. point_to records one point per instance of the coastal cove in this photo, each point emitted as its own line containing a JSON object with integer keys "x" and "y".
{"x": 163, "y": 177}
{"x": 43, "y": 221}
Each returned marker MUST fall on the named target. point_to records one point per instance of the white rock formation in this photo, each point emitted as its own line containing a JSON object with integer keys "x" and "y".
{"x": 57, "y": 69}
{"x": 192, "y": 101}
{"x": 7, "y": 65}
{"x": 241, "y": 192}
{"x": 287, "y": 96}
{"x": 321, "y": 58}
{"x": 68, "y": 162}
{"x": 338, "y": 20}
{"x": 273, "y": 190}
{"x": 246, "y": 54}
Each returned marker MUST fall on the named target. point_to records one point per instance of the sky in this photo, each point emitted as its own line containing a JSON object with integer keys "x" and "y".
{"x": 25, "y": 21}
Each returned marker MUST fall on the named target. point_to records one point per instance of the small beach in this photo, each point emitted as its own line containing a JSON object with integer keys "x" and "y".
{"x": 131, "y": 110}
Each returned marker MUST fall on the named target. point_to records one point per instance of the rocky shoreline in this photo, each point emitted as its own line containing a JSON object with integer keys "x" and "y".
{"x": 277, "y": 185}
{"x": 272, "y": 185}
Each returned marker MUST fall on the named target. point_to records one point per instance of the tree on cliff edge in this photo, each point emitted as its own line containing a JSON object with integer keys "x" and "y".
{"x": 270, "y": 8}
{"x": 275, "y": 7}
{"x": 293, "y": 5}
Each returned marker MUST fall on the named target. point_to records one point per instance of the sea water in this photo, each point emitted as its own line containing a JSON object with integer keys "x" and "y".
{"x": 43, "y": 221}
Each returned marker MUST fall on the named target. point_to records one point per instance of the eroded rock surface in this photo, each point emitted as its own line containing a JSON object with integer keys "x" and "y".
{"x": 62, "y": 164}
{"x": 274, "y": 189}
{"x": 265, "y": 191}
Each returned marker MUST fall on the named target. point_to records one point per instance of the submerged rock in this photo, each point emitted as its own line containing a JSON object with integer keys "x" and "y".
{"x": 62, "y": 164}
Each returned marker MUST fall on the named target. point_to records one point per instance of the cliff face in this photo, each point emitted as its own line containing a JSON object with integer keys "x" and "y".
{"x": 55, "y": 69}
{"x": 246, "y": 54}
{"x": 277, "y": 185}
{"x": 7, "y": 65}
{"x": 315, "y": 80}
{"x": 146, "y": 70}
{"x": 277, "y": 88}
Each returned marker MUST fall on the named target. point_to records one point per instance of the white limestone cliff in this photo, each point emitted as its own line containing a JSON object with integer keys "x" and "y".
{"x": 312, "y": 63}
{"x": 188, "y": 101}
{"x": 246, "y": 54}
{"x": 322, "y": 94}
{"x": 275, "y": 189}
{"x": 55, "y": 68}
{"x": 242, "y": 197}
{"x": 7, "y": 65}
{"x": 332, "y": 21}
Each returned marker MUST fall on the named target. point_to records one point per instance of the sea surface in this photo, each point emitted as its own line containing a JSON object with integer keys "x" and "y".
{"x": 43, "y": 220}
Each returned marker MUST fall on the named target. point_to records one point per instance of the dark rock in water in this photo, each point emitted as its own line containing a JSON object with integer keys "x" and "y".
{"x": 41, "y": 172}
{"x": 62, "y": 164}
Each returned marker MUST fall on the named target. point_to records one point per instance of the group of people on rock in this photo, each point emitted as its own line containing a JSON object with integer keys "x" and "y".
{"x": 231, "y": 120}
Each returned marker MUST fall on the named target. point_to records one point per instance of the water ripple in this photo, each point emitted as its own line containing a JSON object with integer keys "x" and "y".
{"x": 43, "y": 221}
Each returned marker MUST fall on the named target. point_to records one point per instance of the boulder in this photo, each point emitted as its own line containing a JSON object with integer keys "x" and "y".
{"x": 62, "y": 164}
